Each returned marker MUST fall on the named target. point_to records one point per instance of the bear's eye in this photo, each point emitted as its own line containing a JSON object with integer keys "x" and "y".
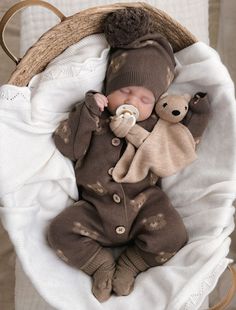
{"x": 186, "y": 108}
{"x": 164, "y": 105}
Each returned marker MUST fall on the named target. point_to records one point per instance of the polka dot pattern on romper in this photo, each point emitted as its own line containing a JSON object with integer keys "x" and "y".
{"x": 163, "y": 257}
{"x": 137, "y": 203}
{"x": 82, "y": 230}
{"x": 98, "y": 188}
{"x": 155, "y": 222}
{"x": 62, "y": 255}
{"x": 64, "y": 131}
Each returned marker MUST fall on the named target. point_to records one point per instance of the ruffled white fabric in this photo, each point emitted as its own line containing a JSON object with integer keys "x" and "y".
{"x": 37, "y": 182}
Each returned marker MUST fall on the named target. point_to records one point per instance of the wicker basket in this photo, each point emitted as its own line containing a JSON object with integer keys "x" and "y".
{"x": 70, "y": 31}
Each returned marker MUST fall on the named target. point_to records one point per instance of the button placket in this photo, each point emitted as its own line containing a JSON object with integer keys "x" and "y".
{"x": 120, "y": 230}
{"x": 116, "y": 198}
{"x": 115, "y": 141}
{"x": 110, "y": 170}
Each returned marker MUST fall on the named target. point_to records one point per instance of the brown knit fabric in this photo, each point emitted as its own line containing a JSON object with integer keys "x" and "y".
{"x": 142, "y": 63}
{"x": 102, "y": 267}
{"x": 198, "y": 113}
{"x": 129, "y": 265}
{"x": 108, "y": 213}
{"x": 139, "y": 56}
{"x": 122, "y": 27}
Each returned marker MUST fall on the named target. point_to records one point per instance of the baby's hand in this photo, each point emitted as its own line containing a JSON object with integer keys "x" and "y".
{"x": 101, "y": 101}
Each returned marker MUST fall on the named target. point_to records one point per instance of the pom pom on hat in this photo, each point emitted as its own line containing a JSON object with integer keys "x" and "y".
{"x": 139, "y": 56}
{"x": 122, "y": 27}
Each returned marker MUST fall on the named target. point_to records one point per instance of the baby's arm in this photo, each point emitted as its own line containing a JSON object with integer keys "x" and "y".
{"x": 198, "y": 115}
{"x": 73, "y": 135}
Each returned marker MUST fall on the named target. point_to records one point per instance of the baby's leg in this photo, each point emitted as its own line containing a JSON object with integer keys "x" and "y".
{"x": 75, "y": 235}
{"x": 158, "y": 233}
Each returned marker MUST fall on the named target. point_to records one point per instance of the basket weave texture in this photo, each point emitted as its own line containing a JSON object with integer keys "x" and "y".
{"x": 87, "y": 22}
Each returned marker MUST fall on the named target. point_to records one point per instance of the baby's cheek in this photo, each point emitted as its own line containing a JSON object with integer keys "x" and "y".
{"x": 113, "y": 106}
{"x": 145, "y": 112}
{"x": 114, "y": 101}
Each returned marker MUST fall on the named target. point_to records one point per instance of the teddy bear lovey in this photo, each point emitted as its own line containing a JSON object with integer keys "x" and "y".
{"x": 167, "y": 149}
{"x": 137, "y": 215}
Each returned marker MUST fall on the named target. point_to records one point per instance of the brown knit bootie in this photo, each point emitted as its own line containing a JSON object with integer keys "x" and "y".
{"x": 101, "y": 267}
{"x": 129, "y": 265}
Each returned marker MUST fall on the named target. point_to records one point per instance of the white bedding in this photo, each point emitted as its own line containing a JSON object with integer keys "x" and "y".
{"x": 37, "y": 182}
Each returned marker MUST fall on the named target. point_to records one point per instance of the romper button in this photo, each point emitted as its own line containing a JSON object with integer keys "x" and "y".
{"x": 115, "y": 141}
{"x": 120, "y": 230}
{"x": 110, "y": 171}
{"x": 116, "y": 198}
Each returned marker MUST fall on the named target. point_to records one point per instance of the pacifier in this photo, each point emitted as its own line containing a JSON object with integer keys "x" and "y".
{"x": 128, "y": 111}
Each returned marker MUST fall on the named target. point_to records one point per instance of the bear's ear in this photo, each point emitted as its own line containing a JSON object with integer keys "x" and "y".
{"x": 187, "y": 97}
{"x": 163, "y": 95}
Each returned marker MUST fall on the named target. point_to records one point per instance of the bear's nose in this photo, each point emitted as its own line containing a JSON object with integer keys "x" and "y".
{"x": 176, "y": 112}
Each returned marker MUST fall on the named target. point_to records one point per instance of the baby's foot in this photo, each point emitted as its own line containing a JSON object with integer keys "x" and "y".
{"x": 102, "y": 284}
{"x": 129, "y": 265}
{"x": 123, "y": 281}
{"x": 101, "y": 267}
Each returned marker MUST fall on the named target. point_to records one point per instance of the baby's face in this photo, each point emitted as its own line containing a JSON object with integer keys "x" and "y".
{"x": 138, "y": 96}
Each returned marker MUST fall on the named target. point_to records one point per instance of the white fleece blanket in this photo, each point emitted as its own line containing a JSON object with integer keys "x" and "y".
{"x": 37, "y": 182}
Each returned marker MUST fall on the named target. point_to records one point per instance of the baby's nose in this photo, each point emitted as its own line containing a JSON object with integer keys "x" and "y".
{"x": 176, "y": 112}
{"x": 131, "y": 99}
{"x": 130, "y": 102}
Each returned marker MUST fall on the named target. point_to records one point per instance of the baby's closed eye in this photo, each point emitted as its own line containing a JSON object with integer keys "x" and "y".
{"x": 147, "y": 100}
{"x": 125, "y": 90}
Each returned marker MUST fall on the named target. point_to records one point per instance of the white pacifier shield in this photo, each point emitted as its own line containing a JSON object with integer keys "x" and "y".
{"x": 129, "y": 109}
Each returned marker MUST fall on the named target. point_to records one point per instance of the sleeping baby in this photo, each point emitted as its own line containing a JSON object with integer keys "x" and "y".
{"x": 134, "y": 213}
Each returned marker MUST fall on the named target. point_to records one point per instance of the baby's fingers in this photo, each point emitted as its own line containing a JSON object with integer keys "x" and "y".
{"x": 101, "y": 101}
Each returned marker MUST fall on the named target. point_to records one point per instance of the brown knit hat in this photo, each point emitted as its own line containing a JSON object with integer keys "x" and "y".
{"x": 138, "y": 57}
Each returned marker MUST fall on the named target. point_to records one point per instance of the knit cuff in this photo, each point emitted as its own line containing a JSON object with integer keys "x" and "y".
{"x": 102, "y": 259}
{"x": 136, "y": 258}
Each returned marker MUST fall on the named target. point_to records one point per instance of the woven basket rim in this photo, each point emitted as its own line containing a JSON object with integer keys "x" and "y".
{"x": 84, "y": 23}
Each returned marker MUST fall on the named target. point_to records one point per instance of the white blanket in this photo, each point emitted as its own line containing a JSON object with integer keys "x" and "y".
{"x": 37, "y": 182}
